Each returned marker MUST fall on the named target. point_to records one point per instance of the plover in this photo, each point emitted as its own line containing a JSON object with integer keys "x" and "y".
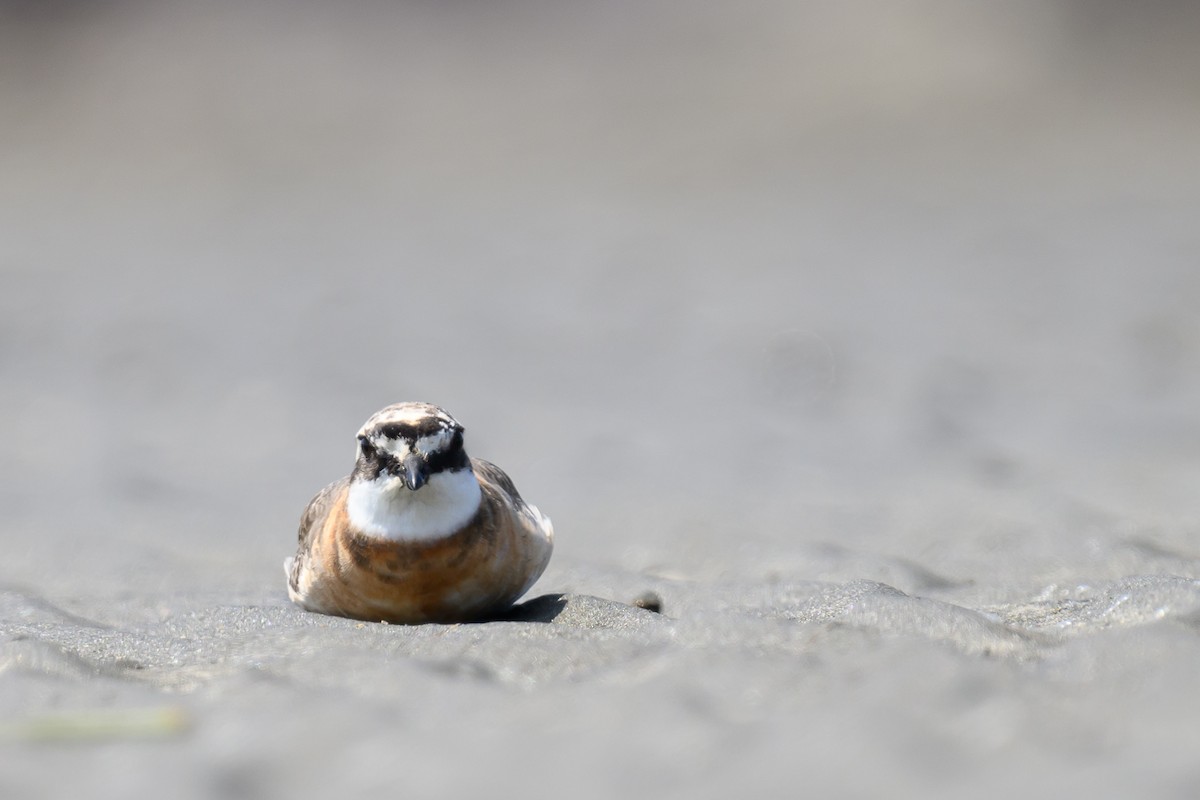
{"x": 419, "y": 531}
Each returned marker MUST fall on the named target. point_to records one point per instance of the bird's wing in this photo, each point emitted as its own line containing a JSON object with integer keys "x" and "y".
{"x": 318, "y": 508}
{"x": 310, "y": 525}
{"x": 489, "y": 473}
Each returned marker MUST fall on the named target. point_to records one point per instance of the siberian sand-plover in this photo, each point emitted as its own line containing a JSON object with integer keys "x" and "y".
{"x": 419, "y": 531}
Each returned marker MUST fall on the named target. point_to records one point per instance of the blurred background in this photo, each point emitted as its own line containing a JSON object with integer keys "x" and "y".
{"x": 715, "y": 283}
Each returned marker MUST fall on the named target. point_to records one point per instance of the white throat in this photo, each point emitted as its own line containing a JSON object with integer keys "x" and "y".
{"x": 386, "y": 509}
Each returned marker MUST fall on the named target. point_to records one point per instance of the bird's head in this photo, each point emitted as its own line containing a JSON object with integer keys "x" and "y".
{"x": 410, "y": 442}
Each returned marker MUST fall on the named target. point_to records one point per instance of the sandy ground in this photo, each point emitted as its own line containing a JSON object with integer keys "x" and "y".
{"x": 863, "y": 334}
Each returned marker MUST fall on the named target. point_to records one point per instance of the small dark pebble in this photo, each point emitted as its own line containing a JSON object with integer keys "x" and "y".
{"x": 649, "y": 601}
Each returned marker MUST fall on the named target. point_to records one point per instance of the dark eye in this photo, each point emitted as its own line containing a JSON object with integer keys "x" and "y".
{"x": 368, "y": 449}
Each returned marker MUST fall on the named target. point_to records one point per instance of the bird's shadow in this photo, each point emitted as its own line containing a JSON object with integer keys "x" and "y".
{"x": 545, "y": 608}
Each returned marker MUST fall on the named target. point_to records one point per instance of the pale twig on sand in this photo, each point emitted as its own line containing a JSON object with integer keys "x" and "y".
{"x": 99, "y": 725}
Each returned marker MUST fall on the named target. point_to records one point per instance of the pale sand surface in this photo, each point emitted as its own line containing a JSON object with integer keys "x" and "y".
{"x": 864, "y": 335}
